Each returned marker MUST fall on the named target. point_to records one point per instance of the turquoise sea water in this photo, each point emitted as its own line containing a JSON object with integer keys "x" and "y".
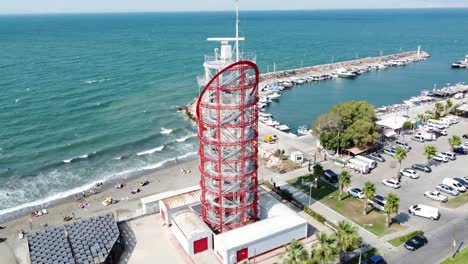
{"x": 85, "y": 98}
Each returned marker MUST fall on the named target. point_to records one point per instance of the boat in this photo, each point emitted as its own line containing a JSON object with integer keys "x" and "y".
{"x": 283, "y": 127}
{"x": 343, "y": 73}
{"x": 264, "y": 100}
{"x": 287, "y": 84}
{"x": 262, "y": 105}
{"x": 271, "y": 122}
{"x": 265, "y": 114}
{"x": 274, "y": 96}
{"x": 303, "y": 130}
{"x": 461, "y": 64}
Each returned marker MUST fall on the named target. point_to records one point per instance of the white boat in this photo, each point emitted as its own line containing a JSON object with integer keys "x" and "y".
{"x": 283, "y": 127}
{"x": 265, "y": 114}
{"x": 287, "y": 84}
{"x": 343, "y": 73}
{"x": 303, "y": 130}
{"x": 300, "y": 81}
{"x": 262, "y": 105}
{"x": 274, "y": 96}
{"x": 271, "y": 122}
{"x": 264, "y": 100}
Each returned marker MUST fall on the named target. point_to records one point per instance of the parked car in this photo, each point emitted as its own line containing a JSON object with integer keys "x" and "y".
{"x": 356, "y": 192}
{"x": 465, "y": 136}
{"x": 460, "y": 150}
{"x": 417, "y": 138}
{"x": 424, "y": 211}
{"x": 375, "y": 260}
{"x": 449, "y": 155}
{"x": 376, "y": 156}
{"x": 390, "y": 151}
{"x": 409, "y": 173}
{"x": 401, "y": 143}
{"x": 435, "y": 195}
{"x": 416, "y": 242}
{"x": 447, "y": 189}
{"x": 454, "y": 184}
{"x": 330, "y": 176}
{"x": 391, "y": 183}
{"x": 421, "y": 167}
{"x": 462, "y": 181}
{"x": 440, "y": 158}
{"x": 378, "y": 202}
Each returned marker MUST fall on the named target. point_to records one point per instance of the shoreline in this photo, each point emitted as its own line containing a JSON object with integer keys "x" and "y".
{"x": 10, "y": 214}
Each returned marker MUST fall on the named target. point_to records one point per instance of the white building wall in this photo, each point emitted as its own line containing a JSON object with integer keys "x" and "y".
{"x": 266, "y": 244}
{"x": 162, "y": 207}
{"x": 186, "y": 245}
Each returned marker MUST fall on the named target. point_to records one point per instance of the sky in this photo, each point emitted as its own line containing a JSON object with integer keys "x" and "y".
{"x": 98, "y": 6}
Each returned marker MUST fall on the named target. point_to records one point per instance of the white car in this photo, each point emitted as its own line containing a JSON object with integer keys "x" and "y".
{"x": 436, "y": 195}
{"x": 409, "y": 173}
{"x": 356, "y": 192}
{"x": 447, "y": 189}
{"x": 391, "y": 183}
{"x": 440, "y": 158}
{"x": 425, "y": 211}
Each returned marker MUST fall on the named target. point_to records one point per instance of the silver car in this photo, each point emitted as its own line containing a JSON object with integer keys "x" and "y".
{"x": 447, "y": 189}
{"x": 435, "y": 195}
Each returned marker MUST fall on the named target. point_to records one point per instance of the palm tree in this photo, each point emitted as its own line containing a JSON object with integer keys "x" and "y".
{"x": 391, "y": 207}
{"x": 369, "y": 193}
{"x": 400, "y": 155}
{"x": 295, "y": 253}
{"x": 318, "y": 172}
{"x": 429, "y": 152}
{"x": 438, "y": 109}
{"x": 448, "y": 106}
{"x": 347, "y": 238}
{"x": 324, "y": 251}
{"x": 344, "y": 181}
{"x": 454, "y": 141}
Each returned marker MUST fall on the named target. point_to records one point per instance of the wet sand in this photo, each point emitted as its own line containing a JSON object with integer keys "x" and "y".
{"x": 166, "y": 179}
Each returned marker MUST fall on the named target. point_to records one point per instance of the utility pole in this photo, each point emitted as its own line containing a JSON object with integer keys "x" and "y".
{"x": 454, "y": 245}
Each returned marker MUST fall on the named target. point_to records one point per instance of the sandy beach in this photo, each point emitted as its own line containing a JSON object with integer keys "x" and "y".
{"x": 162, "y": 180}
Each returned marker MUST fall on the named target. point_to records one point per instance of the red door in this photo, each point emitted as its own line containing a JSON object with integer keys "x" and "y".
{"x": 163, "y": 215}
{"x": 242, "y": 254}
{"x": 200, "y": 245}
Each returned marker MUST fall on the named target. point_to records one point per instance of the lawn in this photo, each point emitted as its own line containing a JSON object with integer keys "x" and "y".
{"x": 457, "y": 201}
{"x": 460, "y": 258}
{"x": 398, "y": 241}
{"x": 349, "y": 207}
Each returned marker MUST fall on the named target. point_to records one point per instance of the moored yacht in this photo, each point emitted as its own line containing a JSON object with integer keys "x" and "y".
{"x": 343, "y": 73}
{"x": 283, "y": 127}
{"x": 303, "y": 130}
{"x": 274, "y": 96}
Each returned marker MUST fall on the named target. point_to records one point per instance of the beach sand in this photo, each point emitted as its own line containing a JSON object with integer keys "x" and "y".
{"x": 166, "y": 179}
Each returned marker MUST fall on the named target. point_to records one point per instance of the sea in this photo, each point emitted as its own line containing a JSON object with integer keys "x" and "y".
{"x": 86, "y": 98}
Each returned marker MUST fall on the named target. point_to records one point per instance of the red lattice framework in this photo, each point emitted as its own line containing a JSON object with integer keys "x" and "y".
{"x": 227, "y": 114}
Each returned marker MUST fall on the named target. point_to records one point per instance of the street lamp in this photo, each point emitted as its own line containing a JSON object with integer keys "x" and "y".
{"x": 310, "y": 193}
{"x": 360, "y": 247}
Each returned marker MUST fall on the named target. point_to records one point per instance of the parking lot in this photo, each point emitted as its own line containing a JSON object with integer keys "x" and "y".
{"x": 412, "y": 190}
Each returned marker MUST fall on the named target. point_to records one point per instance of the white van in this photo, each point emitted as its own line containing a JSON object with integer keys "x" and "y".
{"x": 378, "y": 202}
{"x": 449, "y": 155}
{"x": 425, "y": 211}
{"x": 454, "y": 119}
{"x": 358, "y": 165}
{"x": 403, "y": 144}
{"x": 372, "y": 163}
{"x": 427, "y": 136}
{"x": 446, "y": 121}
{"x": 436, "y": 123}
{"x": 454, "y": 184}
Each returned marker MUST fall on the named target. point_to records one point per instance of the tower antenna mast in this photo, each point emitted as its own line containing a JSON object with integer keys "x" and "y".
{"x": 237, "y": 30}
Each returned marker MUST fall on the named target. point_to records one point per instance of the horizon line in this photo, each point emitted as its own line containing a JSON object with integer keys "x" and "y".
{"x": 219, "y": 11}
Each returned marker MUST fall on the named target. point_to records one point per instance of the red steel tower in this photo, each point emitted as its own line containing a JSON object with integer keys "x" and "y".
{"x": 227, "y": 114}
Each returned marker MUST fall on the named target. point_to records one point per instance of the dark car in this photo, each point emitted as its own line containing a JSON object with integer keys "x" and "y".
{"x": 462, "y": 181}
{"x": 376, "y": 156}
{"x": 416, "y": 242}
{"x": 375, "y": 260}
{"x": 460, "y": 150}
{"x": 330, "y": 176}
{"x": 465, "y": 136}
{"x": 421, "y": 167}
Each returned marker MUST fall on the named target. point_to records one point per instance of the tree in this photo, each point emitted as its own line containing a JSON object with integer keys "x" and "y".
{"x": 438, "y": 110}
{"x": 346, "y": 125}
{"x": 369, "y": 193}
{"x": 448, "y": 106}
{"x": 324, "y": 251}
{"x": 407, "y": 125}
{"x": 400, "y": 155}
{"x": 295, "y": 253}
{"x": 347, "y": 238}
{"x": 454, "y": 141}
{"x": 344, "y": 181}
{"x": 318, "y": 172}
{"x": 391, "y": 207}
{"x": 429, "y": 152}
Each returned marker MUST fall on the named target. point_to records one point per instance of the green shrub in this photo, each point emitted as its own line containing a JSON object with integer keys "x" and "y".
{"x": 402, "y": 239}
{"x": 315, "y": 215}
{"x": 268, "y": 184}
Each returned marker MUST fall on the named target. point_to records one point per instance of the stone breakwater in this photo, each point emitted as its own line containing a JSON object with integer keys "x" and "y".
{"x": 270, "y": 77}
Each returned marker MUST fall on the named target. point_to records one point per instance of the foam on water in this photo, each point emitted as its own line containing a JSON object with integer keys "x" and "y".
{"x": 166, "y": 131}
{"x": 183, "y": 139}
{"x": 151, "y": 151}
